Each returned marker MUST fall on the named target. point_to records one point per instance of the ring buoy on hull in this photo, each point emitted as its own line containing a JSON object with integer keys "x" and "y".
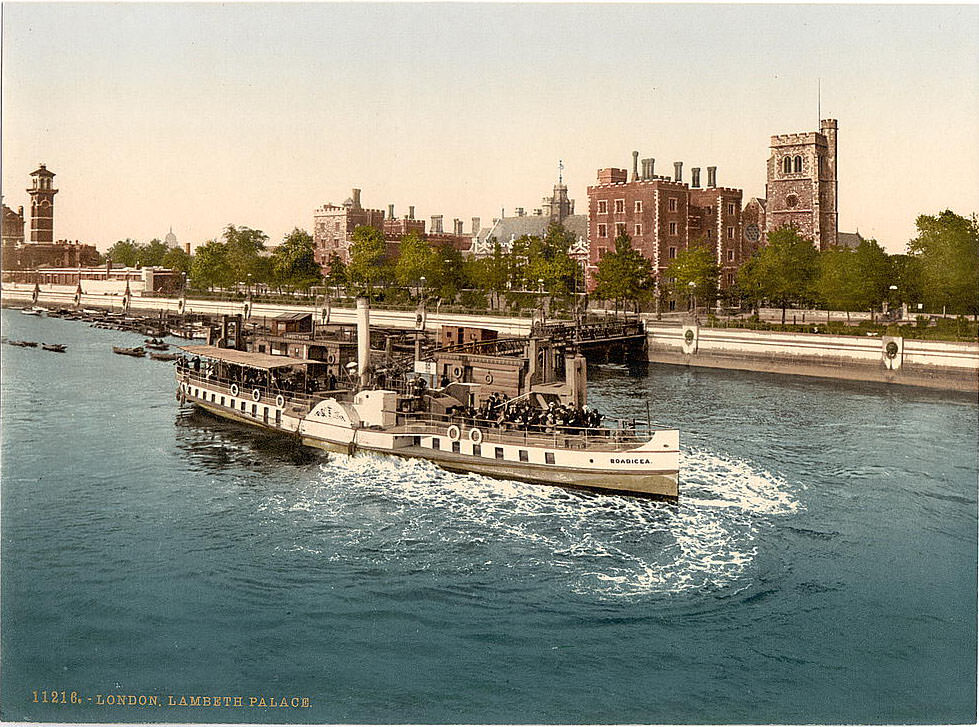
{"x": 234, "y": 389}
{"x": 457, "y": 372}
{"x": 280, "y": 401}
{"x": 475, "y": 435}
{"x": 453, "y": 433}
{"x": 256, "y": 395}
{"x": 489, "y": 378}
{"x": 331, "y": 358}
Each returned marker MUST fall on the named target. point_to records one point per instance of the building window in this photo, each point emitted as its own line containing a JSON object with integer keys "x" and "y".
{"x": 477, "y": 450}
{"x": 619, "y": 228}
{"x": 456, "y": 447}
{"x": 672, "y": 305}
{"x": 436, "y": 443}
{"x": 787, "y": 165}
{"x": 709, "y": 233}
{"x": 620, "y": 206}
{"x": 602, "y": 252}
{"x": 791, "y": 201}
{"x": 672, "y": 204}
{"x": 603, "y": 230}
{"x": 672, "y": 253}
{"x": 499, "y": 452}
{"x": 638, "y": 206}
{"x": 730, "y": 233}
{"x": 730, "y": 208}
{"x": 549, "y": 457}
{"x": 603, "y": 206}
{"x": 710, "y": 209}
{"x": 730, "y": 278}
{"x": 730, "y": 256}
{"x": 798, "y": 164}
{"x": 638, "y": 230}
{"x": 673, "y": 228}
{"x": 524, "y": 457}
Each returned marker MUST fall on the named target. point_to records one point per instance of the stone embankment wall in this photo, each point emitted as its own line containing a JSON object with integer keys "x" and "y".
{"x": 935, "y": 364}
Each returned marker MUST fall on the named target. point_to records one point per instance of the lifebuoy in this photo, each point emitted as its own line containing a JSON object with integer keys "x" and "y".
{"x": 453, "y": 433}
{"x": 331, "y": 358}
{"x": 280, "y": 401}
{"x": 457, "y": 372}
{"x": 234, "y": 389}
{"x": 256, "y": 395}
{"x": 489, "y": 378}
{"x": 475, "y": 435}
{"x": 891, "y": 349}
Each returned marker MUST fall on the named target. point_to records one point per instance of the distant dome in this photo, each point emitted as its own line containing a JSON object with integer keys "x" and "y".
{"x": 170, "y": 239}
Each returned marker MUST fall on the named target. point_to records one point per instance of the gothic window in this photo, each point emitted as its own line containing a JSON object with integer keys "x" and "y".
{"x": 673, "y": 228}
{"x": 787, "y": 165}
{"x": 672, "y": 204}
{"x": 730, "y": 208}
{"x": 798, "y": 164}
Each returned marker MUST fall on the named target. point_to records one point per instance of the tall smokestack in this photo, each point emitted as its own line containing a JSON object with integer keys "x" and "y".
{"x": 694, "y": 176}
{"x": 363, "y": 339}
{"x": 411, "y": 212}
{"x": 678, "y": 171}
{"x": 355, "y": 194}
{"x": 711, "y": 176}
{"x": 187, "y": 248}
{"x": 647, "y": 168}
{"x": 390, "y": 211}
{"x": 635, "y": 166}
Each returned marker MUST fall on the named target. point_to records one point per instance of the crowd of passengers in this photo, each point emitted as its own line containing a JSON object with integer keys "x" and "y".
{"x": 521, "y": 415}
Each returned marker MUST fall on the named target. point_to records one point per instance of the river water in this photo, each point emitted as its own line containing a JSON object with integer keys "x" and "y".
{"x": 820, "y": 565}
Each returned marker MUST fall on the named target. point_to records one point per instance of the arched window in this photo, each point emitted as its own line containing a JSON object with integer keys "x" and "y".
{"x": 798, "y": 164}
{"x": 787, "y": 165}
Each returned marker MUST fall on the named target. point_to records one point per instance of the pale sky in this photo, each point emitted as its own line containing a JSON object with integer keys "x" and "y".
{"x": 197, "y": 115}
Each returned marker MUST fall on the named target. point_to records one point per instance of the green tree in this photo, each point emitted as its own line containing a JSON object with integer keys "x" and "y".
{"x": 336, "y": 277}
{"x": 449, "y": 274}
{"x": 367, "y": 268}
{"x": 177, "y": 259}
{"x": 490, "y": 274}
{"x": 782, "y": 272}
{"x": 210, "y": 268}
{"x": 548, "y": 260}
{"x": 244, "y": 250}
{"x": 696, "y": 265}
{"x": 293, "y": 263}
{"x": 624, "y": 274}
{"x": 907, "y": 277}
{"x": 836, "y": 282}
{"x": 947, "y": 247}
{"x": 416, "y": 259}
{"x": 152, "y": 253}
{"x": 873, "y": 275}
{"x": 124, "y": 253}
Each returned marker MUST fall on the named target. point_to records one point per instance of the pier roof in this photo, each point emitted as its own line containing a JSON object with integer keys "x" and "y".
{"x": 246, "y": 358}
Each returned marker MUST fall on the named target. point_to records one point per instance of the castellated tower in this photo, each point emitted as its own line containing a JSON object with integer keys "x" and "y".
{"x": 42, "y": 205}
{"x": 802, "y": 187}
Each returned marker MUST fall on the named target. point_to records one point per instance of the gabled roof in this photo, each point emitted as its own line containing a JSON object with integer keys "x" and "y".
{"x": 850, "y": 240}
{"x": 291, "y": 316}
{"x": 510, "y": 228}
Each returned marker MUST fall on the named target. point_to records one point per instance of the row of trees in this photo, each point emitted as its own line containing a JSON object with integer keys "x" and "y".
{"x": 940, "y": 271}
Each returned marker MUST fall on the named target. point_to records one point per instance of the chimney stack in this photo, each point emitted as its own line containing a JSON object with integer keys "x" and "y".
{"x": 436, "y": 224}
{"x": 187, "y": 248}
{"x": 695, "y": 176}
{"x": 520, "y": 212}
{"x": 711, "y": 176}
{"x": 635, "y": 166}
{"x": 456, "y": 226}
{"x": 647, "y": 168}
{"x": 390, "y": 211}
{"x": 678, "y": 171}
{"x": 411, "y": 212}
{"x": 356, "y": 197}
{"x": 475, "y": 225}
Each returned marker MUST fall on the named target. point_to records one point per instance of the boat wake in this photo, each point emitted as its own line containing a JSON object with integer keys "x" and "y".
{"x": 416, "y": 515}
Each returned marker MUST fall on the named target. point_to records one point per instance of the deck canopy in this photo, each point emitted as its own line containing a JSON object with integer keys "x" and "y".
{"x": 263, "y": 361}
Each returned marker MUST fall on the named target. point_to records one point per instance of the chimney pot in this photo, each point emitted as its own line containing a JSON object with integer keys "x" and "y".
{"x": 475, "y": 225}
{"x": 635, "y": 166}
{"x": 695, "y": 176}
{"x": 711, "y": 176}
{"x": 356, "y": 197}
{"x": 411, "y": 212}
{"x": 390, "y": 211}
{"x": 678, "y": 171}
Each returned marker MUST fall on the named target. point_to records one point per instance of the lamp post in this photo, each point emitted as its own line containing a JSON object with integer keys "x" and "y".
{"x": 891, "y": 288}
{"x": 421, "y": 292}
{"x": 693, "y": 295}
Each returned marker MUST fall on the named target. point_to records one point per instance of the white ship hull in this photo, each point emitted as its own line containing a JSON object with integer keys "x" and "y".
{"x": 601, "y": 462}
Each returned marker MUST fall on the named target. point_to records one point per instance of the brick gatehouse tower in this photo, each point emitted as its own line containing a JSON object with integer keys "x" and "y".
{"x": 42, "y": 193}
{"x": 802, "y": 186}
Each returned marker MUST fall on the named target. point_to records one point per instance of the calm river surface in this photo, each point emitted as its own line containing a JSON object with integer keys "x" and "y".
{"x": 819, "y": 567}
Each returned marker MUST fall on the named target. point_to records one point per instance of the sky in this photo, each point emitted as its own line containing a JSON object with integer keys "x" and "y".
{"x": 194, "y": 116}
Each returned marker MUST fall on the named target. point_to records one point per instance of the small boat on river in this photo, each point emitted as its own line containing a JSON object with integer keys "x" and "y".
{"x": 56, "y": 347}
{"x": 137, "y": 351}
{"x": 164, "y": 356}
{"x": 24, "y": 344}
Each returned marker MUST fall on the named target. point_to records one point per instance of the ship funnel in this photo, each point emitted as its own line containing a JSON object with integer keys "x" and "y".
{"x": 363, "y": 339}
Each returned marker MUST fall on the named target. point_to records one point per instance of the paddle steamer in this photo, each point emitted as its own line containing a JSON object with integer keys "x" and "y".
{"x": 406, "y": 416}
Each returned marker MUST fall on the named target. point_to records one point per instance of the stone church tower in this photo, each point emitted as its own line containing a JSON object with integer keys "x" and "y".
{"x": 42, "y": 205}
{"x": 802, "y": 188}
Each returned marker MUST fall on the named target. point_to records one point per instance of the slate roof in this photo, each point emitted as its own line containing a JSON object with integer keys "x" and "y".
{"x": 849, "y": 240}
{"x": 510, "y": 228}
